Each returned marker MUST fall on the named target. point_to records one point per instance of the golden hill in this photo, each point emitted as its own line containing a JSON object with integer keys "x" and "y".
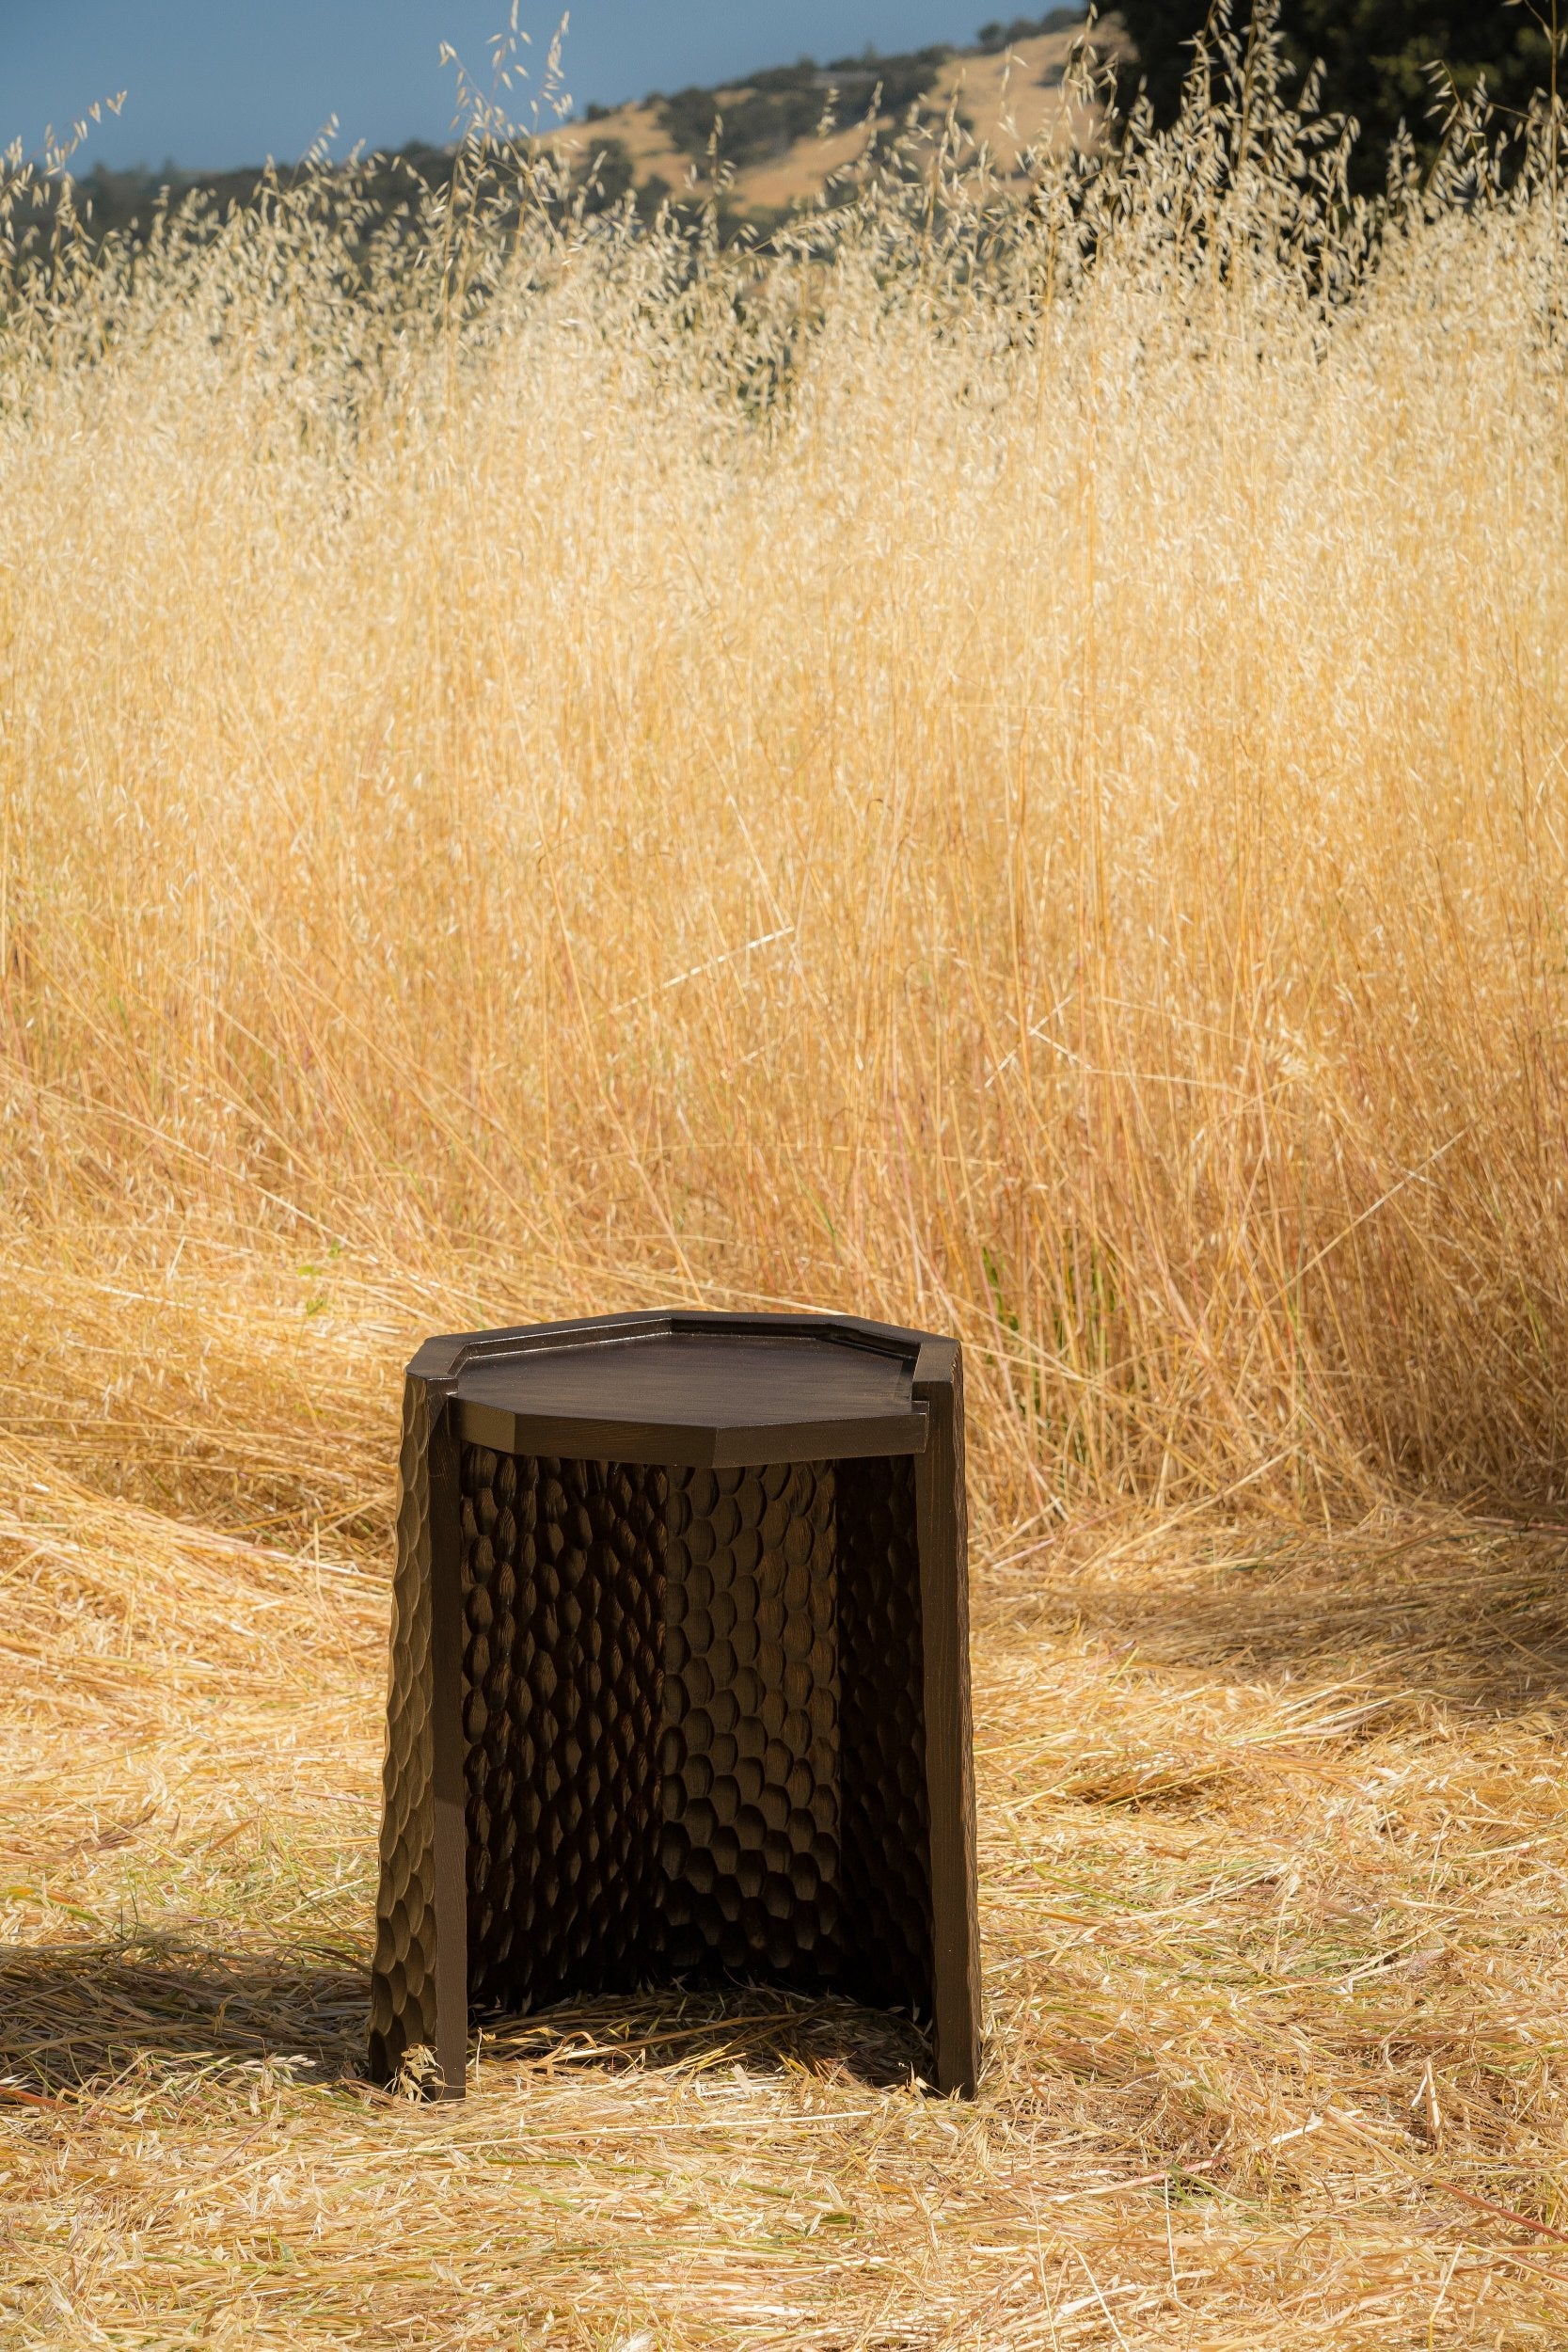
{"x": 1007, "y": 102}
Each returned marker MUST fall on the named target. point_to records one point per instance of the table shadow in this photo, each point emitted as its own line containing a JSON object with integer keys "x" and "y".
{"x": 76, "y": 2019}
{"x": 761, "y": 2028}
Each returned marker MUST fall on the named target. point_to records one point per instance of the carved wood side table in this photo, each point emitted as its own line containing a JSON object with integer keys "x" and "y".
{"x": 680, "y": 1676}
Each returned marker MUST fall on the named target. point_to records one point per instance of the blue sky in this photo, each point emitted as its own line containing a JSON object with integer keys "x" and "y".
{"x": 212, "y": 83}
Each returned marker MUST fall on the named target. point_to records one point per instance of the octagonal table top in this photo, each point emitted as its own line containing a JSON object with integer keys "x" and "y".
{"x": 694, "y": 1389}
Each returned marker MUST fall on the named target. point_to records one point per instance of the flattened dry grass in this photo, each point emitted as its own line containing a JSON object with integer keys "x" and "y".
{"x": 998, "y": 767}
{"x": 1274, "y": 1852}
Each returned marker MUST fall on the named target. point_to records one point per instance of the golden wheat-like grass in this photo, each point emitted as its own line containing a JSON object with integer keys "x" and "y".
{"x": 962, "y": 770}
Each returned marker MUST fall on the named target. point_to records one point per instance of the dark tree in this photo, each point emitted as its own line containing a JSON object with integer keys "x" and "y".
{"x": 1002, "y": 32}
{"x": 1379, "y": 58}
{"x": 608, "y": 173}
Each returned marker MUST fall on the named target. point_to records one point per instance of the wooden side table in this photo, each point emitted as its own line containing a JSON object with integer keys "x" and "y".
{"x": 680, "y": 1676}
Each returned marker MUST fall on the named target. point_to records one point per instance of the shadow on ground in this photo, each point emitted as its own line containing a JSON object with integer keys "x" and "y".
{"x": 1475, "y": 1621}
{"x": 760, "y": 2027}
{"x": 74, "y": 2018}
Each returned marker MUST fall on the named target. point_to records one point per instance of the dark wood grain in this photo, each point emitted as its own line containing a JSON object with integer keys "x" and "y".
{"x": 446, "y": 1644}
{"x": 941, "y": 1517}
{"x": 695, "y": 1399}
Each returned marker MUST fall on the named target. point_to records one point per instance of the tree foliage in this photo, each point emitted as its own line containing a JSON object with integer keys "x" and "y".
{"x": 1384, "y": 61}
{"x": 1002, "y": 32}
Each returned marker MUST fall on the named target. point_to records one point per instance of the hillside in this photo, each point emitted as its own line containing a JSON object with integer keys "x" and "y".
{"x": 784, "y": 132}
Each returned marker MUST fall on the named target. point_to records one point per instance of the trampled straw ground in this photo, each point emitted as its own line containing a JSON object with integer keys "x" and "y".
{"x": 1000, "y": 766}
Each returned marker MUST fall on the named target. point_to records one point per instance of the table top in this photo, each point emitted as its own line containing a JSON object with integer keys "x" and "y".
{"x": 696, "y": 1391}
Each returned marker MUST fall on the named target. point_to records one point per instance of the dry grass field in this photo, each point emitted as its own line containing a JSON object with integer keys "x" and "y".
{"x": 1003, "y": 767}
